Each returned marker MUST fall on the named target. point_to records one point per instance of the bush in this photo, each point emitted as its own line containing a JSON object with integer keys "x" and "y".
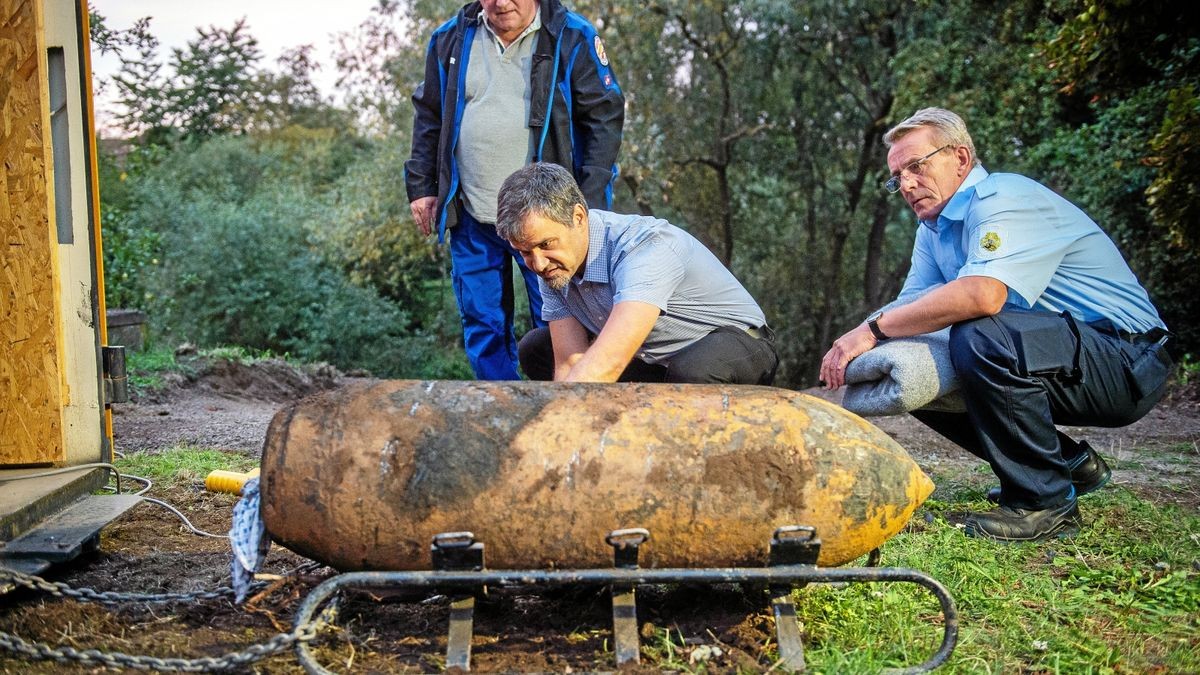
{"x": 238, "y": 267}
{"x": 1099, "y": 167}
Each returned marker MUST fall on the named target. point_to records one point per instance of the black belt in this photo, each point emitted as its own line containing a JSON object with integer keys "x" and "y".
{"x": 1152, "y": 335}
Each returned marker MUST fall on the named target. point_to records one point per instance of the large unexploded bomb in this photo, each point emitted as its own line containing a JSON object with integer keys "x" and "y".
{"x": 363, "y": 477}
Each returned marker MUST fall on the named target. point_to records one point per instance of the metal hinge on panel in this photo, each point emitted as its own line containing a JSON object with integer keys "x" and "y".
{"x": 116, "y": 384}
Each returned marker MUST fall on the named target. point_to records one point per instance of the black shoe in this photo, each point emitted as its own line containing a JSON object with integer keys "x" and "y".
{"x": 1089, "y": 472}
{"x": 1005, "y": 523}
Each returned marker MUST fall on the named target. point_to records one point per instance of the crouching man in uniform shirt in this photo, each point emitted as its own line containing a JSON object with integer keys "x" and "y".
{"x": 1048, "y": 325}
{"x": 627, "y": 298}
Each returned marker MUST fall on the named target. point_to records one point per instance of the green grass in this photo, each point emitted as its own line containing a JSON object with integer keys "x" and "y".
{"x": 1122, "y": 597}
{"x": 665, "y": 649}
{"x": 1177, "y": 454}
{"x": 146, "y": 369}
{"x": 1188, "y": 370}
{"x": 243, "y": 355}
{"x": 182, "y": 464}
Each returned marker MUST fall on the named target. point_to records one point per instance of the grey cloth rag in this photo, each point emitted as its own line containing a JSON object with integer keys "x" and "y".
{"x": 249, "y": 540}
{"x": 902, "y": 375}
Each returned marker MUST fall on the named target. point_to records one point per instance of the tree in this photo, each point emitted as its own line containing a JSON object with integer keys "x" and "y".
{"x": 213, "y": 90}
{"x": 1137, "y": 66}
{"x": 290, "y": 96}
{"x": 141, "y": 84}
{"x": 381, "y": 62}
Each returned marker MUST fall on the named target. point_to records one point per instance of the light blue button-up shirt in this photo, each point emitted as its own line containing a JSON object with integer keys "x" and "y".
{"x": 644, "y": 259}
{"x": 1049, "y": 253}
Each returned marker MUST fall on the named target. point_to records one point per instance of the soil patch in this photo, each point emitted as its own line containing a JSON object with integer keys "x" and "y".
{"x": 216, "y": 403}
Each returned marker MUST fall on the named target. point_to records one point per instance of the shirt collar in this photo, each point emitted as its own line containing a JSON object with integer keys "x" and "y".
{"x": 956, "y": 208}
{"x": 533, "y": 26}
{"x": 597, "y": 267}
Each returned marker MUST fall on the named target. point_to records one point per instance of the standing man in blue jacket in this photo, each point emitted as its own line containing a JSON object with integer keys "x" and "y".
{"x": 507, "y": 82}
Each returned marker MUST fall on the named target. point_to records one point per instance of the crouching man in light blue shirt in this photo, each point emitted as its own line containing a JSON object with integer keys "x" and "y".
{"x": 1049, "y": 325}
{"x": 627, "y": 298}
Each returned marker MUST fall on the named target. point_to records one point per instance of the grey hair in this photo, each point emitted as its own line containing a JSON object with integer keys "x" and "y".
{"x": 544, "y": 189}
{"x": 948, "y": 129}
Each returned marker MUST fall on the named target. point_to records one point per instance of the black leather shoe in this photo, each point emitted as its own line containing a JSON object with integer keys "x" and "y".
{"x": 1005, "y": 523}
{"x": 1089, "y": 472}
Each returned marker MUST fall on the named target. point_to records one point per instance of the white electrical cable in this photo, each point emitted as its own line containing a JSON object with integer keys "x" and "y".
{"x": 182, "y": 517}
{"x": 117, "y": 474}
{"x": 149, "y": 484}
{"x": 77, "y": 467}
{"x": 144, "y": 481}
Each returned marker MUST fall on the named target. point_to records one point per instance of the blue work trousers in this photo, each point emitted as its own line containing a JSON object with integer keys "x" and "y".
{"x": 1022, "y": 372}
{"x": 483, "y": 286}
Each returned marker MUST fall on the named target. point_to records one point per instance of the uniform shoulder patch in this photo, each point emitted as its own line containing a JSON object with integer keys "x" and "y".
{"x": 990, "y": 242}
{"x": 600, "y": 53}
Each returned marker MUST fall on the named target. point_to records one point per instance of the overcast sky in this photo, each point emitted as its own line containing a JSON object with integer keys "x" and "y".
{"x": 276, "y": 24}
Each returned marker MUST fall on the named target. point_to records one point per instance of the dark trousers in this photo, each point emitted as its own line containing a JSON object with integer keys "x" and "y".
{"x": 727, "y": 355}
{"x": 483, "y": 286}
{"x": 1022, "y": 372}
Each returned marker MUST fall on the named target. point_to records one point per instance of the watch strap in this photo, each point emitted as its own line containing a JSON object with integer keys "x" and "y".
{"x": 873, "y": 324}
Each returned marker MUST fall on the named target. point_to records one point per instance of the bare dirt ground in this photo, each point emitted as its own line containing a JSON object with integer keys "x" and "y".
{"x": 228, "y": 406}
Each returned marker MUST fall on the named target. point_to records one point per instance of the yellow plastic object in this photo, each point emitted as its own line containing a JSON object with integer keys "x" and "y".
{"x": 230, "y": 482}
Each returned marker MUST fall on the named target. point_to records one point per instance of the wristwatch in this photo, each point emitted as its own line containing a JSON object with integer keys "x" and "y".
{"x": 873, "y": 324}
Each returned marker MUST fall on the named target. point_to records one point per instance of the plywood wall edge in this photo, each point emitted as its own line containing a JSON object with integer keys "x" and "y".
{"x": 51, "y": 219}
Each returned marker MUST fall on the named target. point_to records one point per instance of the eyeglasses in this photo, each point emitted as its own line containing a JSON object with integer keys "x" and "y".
{"x": 913, "y": 169}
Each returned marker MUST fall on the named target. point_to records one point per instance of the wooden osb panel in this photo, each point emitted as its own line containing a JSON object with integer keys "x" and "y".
{"x": 30, "y": 390}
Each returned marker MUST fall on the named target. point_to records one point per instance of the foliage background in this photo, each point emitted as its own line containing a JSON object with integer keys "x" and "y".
{"x": 240, "y": 205}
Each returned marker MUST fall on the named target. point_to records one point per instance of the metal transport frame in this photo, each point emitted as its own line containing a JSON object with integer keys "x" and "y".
{"x": 458, "y": 568}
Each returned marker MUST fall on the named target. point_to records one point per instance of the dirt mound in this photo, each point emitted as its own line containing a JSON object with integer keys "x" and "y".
{"x": 217, "y": 403}
{"x": 269, "y": 380}
{"x": 273, "y": 380}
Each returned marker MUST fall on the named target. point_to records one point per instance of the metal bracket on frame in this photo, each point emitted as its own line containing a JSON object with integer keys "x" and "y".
{"x": 625, "y": 545}
{"x": 791, "y": 545}
{"x": 459, "y": 552}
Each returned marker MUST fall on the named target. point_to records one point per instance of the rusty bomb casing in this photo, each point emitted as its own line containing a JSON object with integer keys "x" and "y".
{"x": 362, "y": 477}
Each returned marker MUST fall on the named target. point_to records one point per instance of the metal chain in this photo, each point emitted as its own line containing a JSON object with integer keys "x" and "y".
{"x": 42, "y": 652}
{"x": 61, "y": 590}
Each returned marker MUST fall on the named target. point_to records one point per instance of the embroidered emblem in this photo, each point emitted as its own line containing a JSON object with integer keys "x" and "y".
{"x": 600, "y": 54}
{"x": 990, "y": 242}
{"x": 608, "y": 80}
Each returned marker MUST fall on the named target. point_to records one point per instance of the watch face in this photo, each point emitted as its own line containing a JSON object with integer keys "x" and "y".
{"x": 875, "y": 315}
